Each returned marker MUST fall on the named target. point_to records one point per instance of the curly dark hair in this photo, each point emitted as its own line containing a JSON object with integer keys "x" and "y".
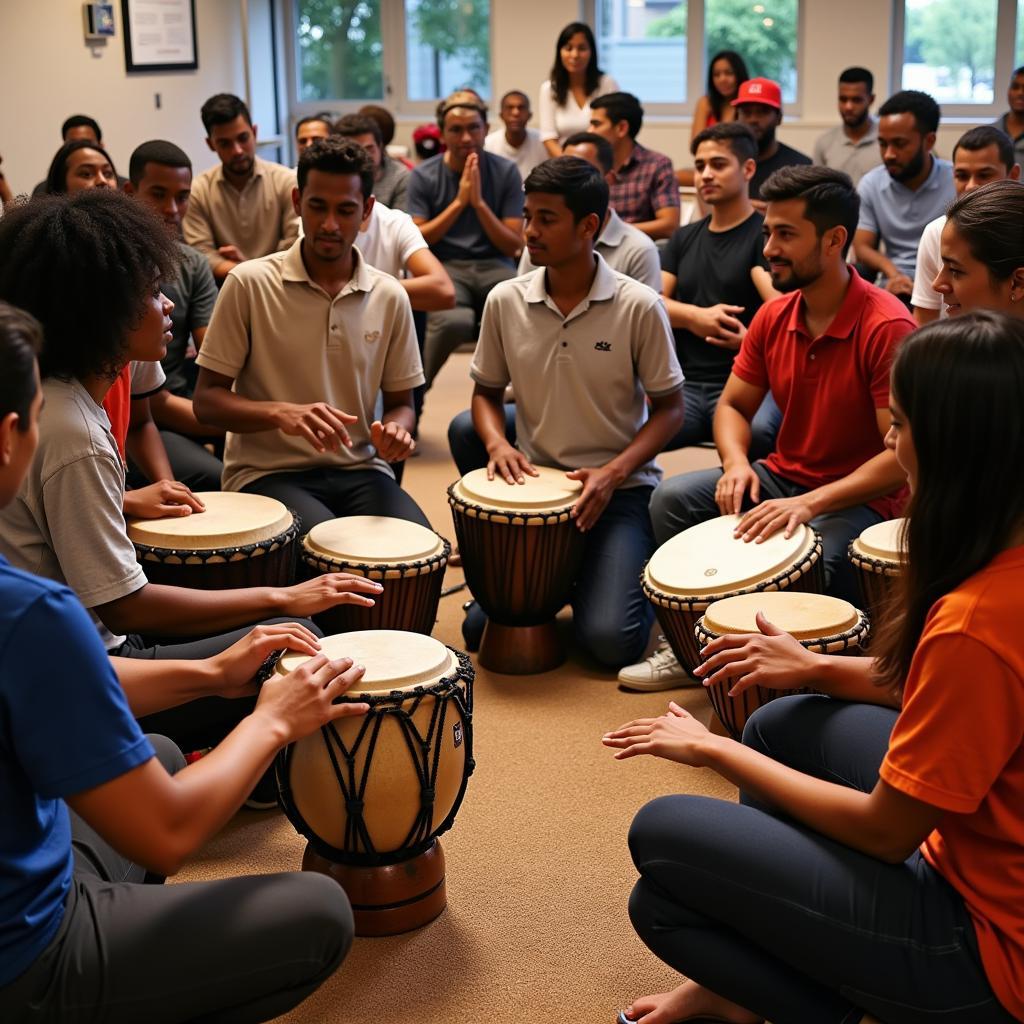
{"x": 336, "y": 155}
{"x": 83, "y": 266}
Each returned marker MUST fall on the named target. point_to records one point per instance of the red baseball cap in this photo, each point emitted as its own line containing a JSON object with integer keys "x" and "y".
{"x": 759, "y": 90}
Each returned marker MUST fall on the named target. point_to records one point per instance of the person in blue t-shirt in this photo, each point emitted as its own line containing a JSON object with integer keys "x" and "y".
{"x": 91, "y": 809}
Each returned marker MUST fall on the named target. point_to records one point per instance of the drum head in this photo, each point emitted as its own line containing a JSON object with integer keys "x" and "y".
{"x": 804, "y": 616}
{"x": 707, "y": 560}
{"x": 883, "y": 541}
{"x": 551, "y": 491}
{"x": 231, "y": 520}
{"x": 393, "y": 659}
{"x": 373, "y": 540}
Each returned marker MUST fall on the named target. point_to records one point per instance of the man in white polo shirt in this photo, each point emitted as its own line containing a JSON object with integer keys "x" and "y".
{"x": 300, "y": 345}
{"x": 584, "y": 348}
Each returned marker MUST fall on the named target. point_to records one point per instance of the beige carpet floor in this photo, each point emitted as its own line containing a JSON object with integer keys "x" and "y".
{"x": 538, "y": 872}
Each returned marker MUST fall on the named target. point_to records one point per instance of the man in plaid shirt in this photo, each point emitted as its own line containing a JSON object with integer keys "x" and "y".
{"x": 644, "y": 192}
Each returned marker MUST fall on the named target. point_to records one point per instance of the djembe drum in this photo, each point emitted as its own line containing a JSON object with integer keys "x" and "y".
{"x": 521, "y": 552}
{"x": 822, "y": 624}
{"x": 878, "y": 555}
{"x": 706, "y": 564}
{"x": 373, "y": 793}
{"x": 241, "y": 540}
{"x": 407, "y": 559}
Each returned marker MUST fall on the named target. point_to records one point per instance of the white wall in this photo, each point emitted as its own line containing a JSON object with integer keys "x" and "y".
{"x": 48, "y": 71}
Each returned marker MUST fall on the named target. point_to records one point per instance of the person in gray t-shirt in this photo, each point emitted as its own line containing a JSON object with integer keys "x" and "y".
{"x": 391, "y": 178}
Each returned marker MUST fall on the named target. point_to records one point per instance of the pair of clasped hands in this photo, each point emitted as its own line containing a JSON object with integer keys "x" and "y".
{"x": 772, "y": 659}
{"x": 599, "y": 483}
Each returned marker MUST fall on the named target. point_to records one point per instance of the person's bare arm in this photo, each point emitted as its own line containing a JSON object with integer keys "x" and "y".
{"x": 157, "y": 820}
{"x": 701, "y": 113}
{"x": 884, "y": 823}
{"x": 323, "y": 426}
{"x": 503, "y": 459}
{"x": 865, "y": 247}
{"x": 763, "y": 283}
{"x": 144, "y": 445}
{"x": 553, "y": 148}
{"x": 392, "y": 433}
{"x": 429, "y": 288}
{"x": 925, "y": 316}
{"x": 666, "y": 220}
{"x": 734, "y": 413}
{"x": 172, "y": 412}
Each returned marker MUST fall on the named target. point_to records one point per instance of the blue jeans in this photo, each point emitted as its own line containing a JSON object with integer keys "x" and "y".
{"x": 699, "y": 404}
{"x": 793, "y": 926}
{"x": 688, "y": 499}
{"x": 611, "y": 616}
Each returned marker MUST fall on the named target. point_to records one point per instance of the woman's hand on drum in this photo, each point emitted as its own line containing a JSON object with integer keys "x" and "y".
{"x": 161, "y": 500}
{"x": 733, "y": 485}
{"x": 599, "y": 485}
{"x": 301, "y": 702}
{"x": 323, "y": 592}
{"x": 772, "y": 659}
{"x": 773, "y": 515}
{"x": 509, "y": 463}
{"x": 676, "y": 736}
{"x": 323, "y": 426}
{"x": 393, "y": 442}
{"x": 234, "y": 670}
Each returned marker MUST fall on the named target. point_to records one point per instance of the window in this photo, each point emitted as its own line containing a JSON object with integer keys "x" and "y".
{"x": 959, "y": 51}
{"x": 659, "y": 49}
{"x": 448, "y": 46}
{"x": 359, "y": 51}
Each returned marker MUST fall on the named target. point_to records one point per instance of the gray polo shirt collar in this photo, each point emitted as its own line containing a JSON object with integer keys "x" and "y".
{"x": 614, "y": 231}
{"x": 601, "y": 290}
{"x": 294, "y": 269}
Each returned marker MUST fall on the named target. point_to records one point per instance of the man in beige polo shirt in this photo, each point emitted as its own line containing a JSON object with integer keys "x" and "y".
{"x": 301, "y": 344}
{"x": 241, "y": 209}
{"x": 585, "y": 349}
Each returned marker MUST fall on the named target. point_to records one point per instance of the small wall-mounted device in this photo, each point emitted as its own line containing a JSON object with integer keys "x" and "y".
{"x": 99, "y": 21}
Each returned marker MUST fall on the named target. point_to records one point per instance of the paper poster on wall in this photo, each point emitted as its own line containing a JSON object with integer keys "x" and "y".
{"x": 160, "y": 35}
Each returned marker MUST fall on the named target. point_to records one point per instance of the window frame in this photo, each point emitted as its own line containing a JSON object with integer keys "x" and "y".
{"x": 393, "y": 69}
{"x": 696, "y": 62}
{"x": 1006, "y": 39}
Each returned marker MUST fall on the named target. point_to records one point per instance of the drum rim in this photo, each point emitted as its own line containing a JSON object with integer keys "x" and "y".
{"x": 525, "y": 517}
{"x": 462, "y": 672}
{"x": 842, "y": 639}
{"x": 133, "y": 524}
{"x": 693, "y": 602}
{"x": 873, "y": 564}
{"x": 551, "y": 508}
{"x": 416, "y": 567}
{"x": 254, "y": 549}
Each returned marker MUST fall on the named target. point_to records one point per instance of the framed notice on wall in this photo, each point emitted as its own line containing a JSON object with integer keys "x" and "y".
{"x": 160, "y": 35}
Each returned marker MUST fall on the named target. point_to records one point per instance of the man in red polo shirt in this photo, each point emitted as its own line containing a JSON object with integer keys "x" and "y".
{"x": 823, "y": 350}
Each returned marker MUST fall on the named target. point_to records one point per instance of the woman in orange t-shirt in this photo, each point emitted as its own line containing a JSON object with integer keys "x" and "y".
{"x": 875, "y": 863}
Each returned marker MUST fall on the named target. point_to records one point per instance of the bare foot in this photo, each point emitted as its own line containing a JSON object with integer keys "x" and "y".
{"x": 684, "y": 1003}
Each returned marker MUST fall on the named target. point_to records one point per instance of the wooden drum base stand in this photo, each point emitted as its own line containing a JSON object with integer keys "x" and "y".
{"x": 393, "y": 898}
{"x": 521, "y": 650}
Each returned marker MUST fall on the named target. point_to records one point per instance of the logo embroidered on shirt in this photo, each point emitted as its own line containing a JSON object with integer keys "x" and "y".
{"x": 371, "y": 336}
{"x": 602, "y": 346}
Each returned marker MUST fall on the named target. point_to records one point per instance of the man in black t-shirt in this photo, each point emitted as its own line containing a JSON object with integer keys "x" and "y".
{"x": 759, "y": 106}
{"x": 714, "y": 279}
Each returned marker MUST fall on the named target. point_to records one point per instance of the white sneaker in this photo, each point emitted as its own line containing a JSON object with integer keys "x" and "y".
{"x": 661, "y": 671}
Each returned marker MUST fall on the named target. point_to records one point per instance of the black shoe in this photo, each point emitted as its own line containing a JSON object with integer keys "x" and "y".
{"x": 473, "y": 625}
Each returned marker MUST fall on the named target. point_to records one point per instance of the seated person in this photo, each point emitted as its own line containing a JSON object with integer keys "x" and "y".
{"x": 106, "y": 253}
{"x": 622, "y": 246}
{"x": 301, "y": 344}
{"x": 581, "y": 405}
{"x": 390, "y": 177}
{"x": 241, "y": 209}
{"x": 852, "y": 147}
{"x": 1012, "y": 122}
{"x": 982, "y": 155}
{"x": 309, "y": 129}
{"x": 715, "y": 278}
{"x": 386, "y": 123}
{"x": 823, "y": 350}
{"x": 90, "y": 808}
{"x": 80, "y": 128}
{"x": 160, "y": 175}
{"x": 899, "y": 199}
{"x": 515, "y": 141}
{"x": 645, "y": 192}
{"x": 468, "y": 203}
{"x": 759, "y": 106}
{"x": 871, "y": 864}
{"x": 79, "y": 165}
